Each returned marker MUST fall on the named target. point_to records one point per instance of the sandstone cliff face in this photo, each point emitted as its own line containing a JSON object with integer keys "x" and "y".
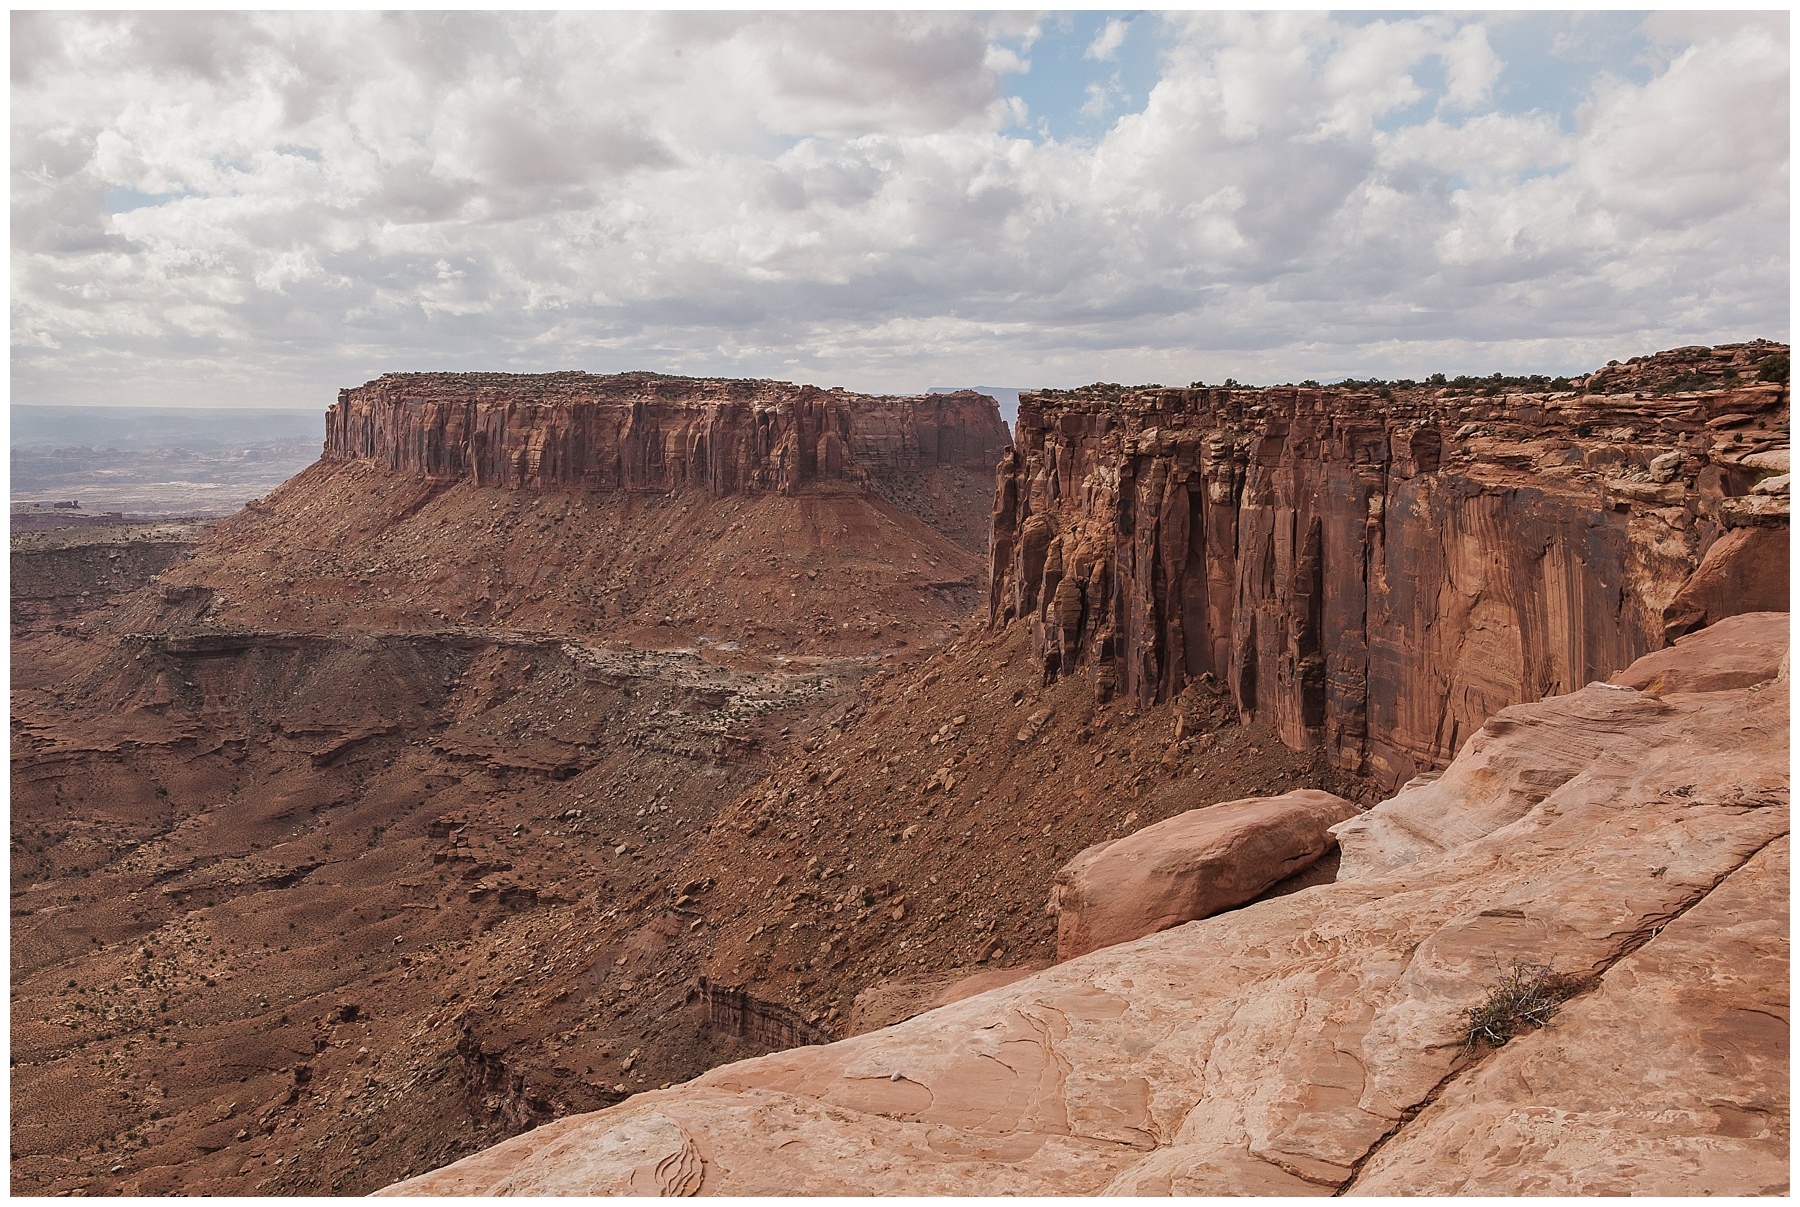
{"x": 649, "y": 432}
{"x": 1377, "y": 574}
{"x": 1309, "y": 1044}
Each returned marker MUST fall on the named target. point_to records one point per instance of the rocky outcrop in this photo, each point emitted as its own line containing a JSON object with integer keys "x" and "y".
{"x": 648, "y": 432}
{"x": 1377, "y": 572}
{"x": 734, "y": 1012}
{"x": 1313, "y": 1043}
{"x": 1189, "y": 866}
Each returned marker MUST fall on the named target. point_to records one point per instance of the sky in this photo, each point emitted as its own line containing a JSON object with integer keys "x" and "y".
{"x": 257, "y": 209}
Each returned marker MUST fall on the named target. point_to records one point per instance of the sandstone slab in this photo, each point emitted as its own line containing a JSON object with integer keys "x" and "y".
{"x": 1738, "y": 651}
{"x": 1286, "y": 1048}
{"x": 1525, "y": 753}
{"x": 1672, "y": 1075}
{"x": 1190, "y": 866}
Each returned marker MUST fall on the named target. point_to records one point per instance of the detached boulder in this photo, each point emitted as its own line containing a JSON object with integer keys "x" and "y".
{"x": 1191, "y": 866}
{"x": 1746, "y": 570}
{"x": 1738, "y": 651}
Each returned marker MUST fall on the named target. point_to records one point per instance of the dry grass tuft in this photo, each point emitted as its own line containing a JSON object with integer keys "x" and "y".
{"x": 1525, "y": 995}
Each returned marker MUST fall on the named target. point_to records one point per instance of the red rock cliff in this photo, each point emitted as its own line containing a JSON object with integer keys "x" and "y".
{"x": 645, "y": 431}
{"x": 1378, "y": 573}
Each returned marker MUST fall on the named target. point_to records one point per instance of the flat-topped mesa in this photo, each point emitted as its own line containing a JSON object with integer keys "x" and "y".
{"x": 1377, "y": 571}
{"x": 645, "y": 431}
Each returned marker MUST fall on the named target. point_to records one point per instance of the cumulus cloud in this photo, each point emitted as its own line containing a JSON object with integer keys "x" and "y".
{"x": 242, "y": 208}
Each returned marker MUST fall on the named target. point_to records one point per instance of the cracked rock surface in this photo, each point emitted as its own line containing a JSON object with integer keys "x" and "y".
{"x": 1311, "y": 1043}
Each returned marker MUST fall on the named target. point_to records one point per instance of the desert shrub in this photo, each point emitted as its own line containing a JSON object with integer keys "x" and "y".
{"x": 1524, "y": 995}
{"x": 1773, "y": 368}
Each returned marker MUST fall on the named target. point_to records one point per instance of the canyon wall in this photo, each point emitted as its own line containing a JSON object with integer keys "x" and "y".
{"x": 649, "y": 432}
{"x": 1377, "y": 572}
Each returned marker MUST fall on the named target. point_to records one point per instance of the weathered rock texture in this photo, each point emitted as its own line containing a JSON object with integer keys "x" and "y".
{"x": 1707, "y": 1113}
{"x": 1378, "y": 573}
{"x": 646, "y": 431}
{"x": 1191, "y": 866}
{"x": 1526, "y": 752}
{"x": 1311, "y": 1043}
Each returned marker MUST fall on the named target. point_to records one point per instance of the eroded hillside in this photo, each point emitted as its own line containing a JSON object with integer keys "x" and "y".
{"x": 371, "y": 808}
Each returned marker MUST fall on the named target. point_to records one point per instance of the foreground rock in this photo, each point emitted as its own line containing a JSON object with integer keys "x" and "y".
{"x": 1707, "y": 1109}
{"x": 1287, "y": 1049}
{"x": 1525, "y": 753}
{"x": 1189, "y": 867}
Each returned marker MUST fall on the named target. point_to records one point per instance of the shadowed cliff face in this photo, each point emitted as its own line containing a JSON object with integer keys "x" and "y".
{"x": 1372, "y": 574}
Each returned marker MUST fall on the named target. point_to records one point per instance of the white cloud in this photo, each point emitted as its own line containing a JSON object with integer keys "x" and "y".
{"x": 1106, "y": 43}
{"x": 836, "y": 197}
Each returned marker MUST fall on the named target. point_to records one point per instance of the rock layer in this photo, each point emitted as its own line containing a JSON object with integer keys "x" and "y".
{"x": 1290, "y": 1047}
{"x": 1378, "y": 573}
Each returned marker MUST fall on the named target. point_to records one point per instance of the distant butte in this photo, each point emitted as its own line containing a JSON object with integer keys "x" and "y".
{"x": 650, "y": 432}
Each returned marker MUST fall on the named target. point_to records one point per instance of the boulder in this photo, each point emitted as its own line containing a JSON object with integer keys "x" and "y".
{"x": 1190, "y": 866}
{"x": 1745, "y": 570}
{"x": 1737, "y": 651}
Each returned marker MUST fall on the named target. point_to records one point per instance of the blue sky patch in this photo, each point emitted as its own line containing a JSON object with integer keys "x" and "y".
{"x": 1081, "y": 80}
{"x": 121, "y": 200}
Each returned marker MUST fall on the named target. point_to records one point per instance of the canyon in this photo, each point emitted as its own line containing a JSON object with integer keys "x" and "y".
{"x": 554, "y": 740}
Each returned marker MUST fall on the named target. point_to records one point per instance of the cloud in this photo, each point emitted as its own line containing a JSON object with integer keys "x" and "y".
{"x": 1106, "y": 43}
{"x": 263, "y": 207}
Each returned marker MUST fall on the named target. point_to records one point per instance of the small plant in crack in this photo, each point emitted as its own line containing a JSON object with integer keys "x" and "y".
{"x": 1524, "y": 995}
